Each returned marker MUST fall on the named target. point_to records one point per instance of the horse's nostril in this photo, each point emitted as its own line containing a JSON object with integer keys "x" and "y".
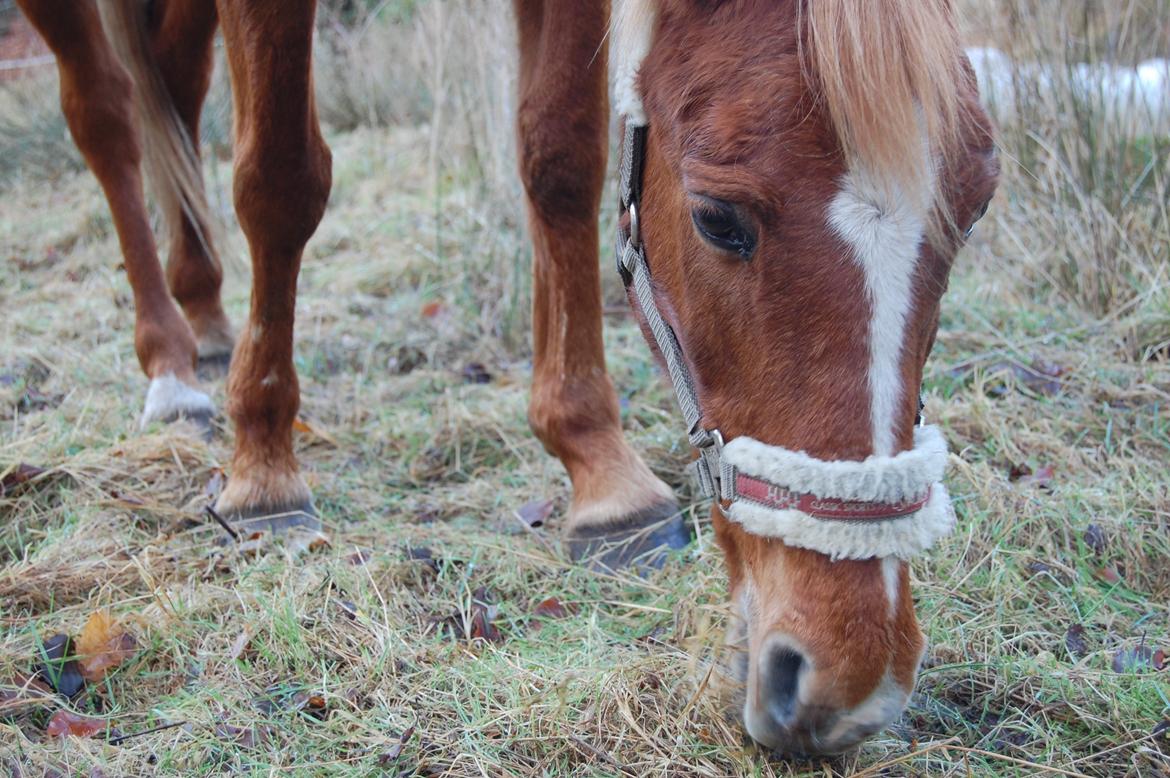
{"x": 782, "y": 681}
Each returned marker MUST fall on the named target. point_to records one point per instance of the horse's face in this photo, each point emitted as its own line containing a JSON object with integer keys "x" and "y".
{"x": 805, "y": 293}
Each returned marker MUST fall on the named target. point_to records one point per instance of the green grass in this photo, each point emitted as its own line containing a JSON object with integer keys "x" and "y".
{"x": 631, "y": 682}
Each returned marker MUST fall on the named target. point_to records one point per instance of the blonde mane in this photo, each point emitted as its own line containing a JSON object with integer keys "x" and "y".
{"x": 888, "y": 73}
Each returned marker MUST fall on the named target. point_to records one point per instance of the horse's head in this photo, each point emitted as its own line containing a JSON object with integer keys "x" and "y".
{"x": 809, "y": 172}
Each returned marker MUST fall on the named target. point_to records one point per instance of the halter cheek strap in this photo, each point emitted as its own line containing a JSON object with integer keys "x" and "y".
{"x": 882, "y": 506}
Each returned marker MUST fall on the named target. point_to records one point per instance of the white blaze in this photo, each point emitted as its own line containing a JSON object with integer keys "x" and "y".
{"x": 883, "y": 222}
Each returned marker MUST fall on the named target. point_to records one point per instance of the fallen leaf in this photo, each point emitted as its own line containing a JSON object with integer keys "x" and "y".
{"x": 476, "y": 373}
{"x": 17, "y": 476}
{"x": 58, "y": 666}
{"x": 245, "y": 737}
{"x": 482, "y": 613}
{"x": 476, "y": 624}
{"x": 305, "y": 427}
{"x": 63, "y": 724}
{"x": 408, "y": 359}
{"x": 1109, "y": 574}
{"x": 1095, "y": 539}
{"x": 1138, "y": 659}
{"x": 1041, "y": 477}
{"x": 533, "y": 514}
{"x": 312, "y": 705}
{"x": 432, "y": 309}
{"x": 423, "y": 554}
{"x": 1074, "y": 641}
{"x": 552, "y": 608}
{"x": 102, "y": 645}
{"x": 23, "y": 691}
{"x": 395, "y": 751}
{"x": 240, "y": 644}
{"x": 359, "y": 557}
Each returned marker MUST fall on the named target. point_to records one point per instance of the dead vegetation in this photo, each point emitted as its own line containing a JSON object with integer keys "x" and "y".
{"x": 421, "y": 639}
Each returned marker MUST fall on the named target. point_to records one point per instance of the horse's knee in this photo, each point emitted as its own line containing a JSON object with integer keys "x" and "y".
{"x": 281, "y": 189}
{"x": 566, "y": 414}
{"x": 562, "y": 160}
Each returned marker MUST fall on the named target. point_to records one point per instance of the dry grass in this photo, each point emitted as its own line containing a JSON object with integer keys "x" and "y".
{"x": 628, "y": 684}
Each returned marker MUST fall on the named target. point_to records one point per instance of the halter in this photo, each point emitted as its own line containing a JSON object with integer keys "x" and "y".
{"x": 881, "y": 506}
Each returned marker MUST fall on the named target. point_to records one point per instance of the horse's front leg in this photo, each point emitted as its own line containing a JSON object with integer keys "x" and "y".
{"x": 620, "y": 511}
{"x": 281, "y": 184}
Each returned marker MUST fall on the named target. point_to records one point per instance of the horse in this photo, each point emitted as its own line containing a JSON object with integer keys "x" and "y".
{"x": 797, "y": 177}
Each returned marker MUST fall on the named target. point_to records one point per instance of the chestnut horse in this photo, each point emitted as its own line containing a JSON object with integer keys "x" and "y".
{"x": 797, "y": 177}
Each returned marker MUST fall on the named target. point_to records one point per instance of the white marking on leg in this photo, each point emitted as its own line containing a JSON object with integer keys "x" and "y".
{"x": 883, "y": 222}
{"x": 168, "y": 398}
{"x": 892, "y": 577}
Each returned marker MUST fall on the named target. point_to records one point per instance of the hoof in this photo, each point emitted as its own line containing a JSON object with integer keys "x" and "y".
{"x": 639, "y": 541}
{"x": 275, "y": 520}
{"x": 169, "y": 399}
{"x": 213, "y": 366}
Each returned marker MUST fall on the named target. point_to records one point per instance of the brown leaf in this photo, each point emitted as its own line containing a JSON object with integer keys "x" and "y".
{"x": 408, "y": 359}
{"x": 1138, "y": 659}
{"x": 312, "y": 705}
{"x": 476, "y": 624}
{"x": 395, "y": 750}
{"x": 552, "y": 608}
{"x": 102, "y": 645}
{"x": 245, "y": 737}
{"x": 1095, "y": 539}
{"x": 476, "y": 373}
{"x": 424, "y": 555}
{"x": 58, "y": 667}
{"x": 1074, "y": 641}
{"x": 22, "y": 692}
{"x": 63, "y": 724}
{"x": 533, "y": 514}
{"x": 359, "y": 557}
{"x": 18, "y": 476}
{"x": 1041, "y": 477}
{"x": 432, "y": 309}
{"x": 305, "y": 427}
{"x": 1109, "y": 574}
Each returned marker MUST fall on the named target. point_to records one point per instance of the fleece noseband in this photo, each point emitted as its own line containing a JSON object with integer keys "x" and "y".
{"x": 881, "y": 506}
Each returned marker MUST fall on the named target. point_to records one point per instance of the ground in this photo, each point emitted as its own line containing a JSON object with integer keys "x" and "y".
{"x": 437, "y": 633}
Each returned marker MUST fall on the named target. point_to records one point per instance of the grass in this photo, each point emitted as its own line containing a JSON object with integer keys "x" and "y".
{"x": 233, "y": 646}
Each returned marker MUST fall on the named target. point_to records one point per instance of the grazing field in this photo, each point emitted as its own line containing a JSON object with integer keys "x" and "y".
{"x": 440, "y": 630}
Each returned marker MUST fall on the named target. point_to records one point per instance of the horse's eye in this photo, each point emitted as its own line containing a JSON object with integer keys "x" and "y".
{"x": 980, "y": 215}
{"x": 719, "y": 223}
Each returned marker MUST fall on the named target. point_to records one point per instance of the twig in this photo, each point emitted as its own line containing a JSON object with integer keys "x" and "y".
{"x": 120, "y": 739}
{"x": 213, "y": 513}
{"x": 597, "y": 752}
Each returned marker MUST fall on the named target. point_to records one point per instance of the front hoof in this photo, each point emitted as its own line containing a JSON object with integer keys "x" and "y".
{"x": 168, "y": 399}
{"x": 640, "y": 541}
{"x": 275, "y": 520}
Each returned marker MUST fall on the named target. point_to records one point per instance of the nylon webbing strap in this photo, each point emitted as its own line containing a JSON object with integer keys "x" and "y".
{"x": 635, "y": 273}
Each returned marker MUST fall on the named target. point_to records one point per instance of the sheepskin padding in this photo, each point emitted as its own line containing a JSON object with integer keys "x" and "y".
{"x": 852, "y": 538}
{"x": 904, "y": 476}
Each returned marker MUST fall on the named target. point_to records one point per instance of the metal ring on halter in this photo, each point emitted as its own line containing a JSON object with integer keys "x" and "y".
{"x": 635, "y": 238}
